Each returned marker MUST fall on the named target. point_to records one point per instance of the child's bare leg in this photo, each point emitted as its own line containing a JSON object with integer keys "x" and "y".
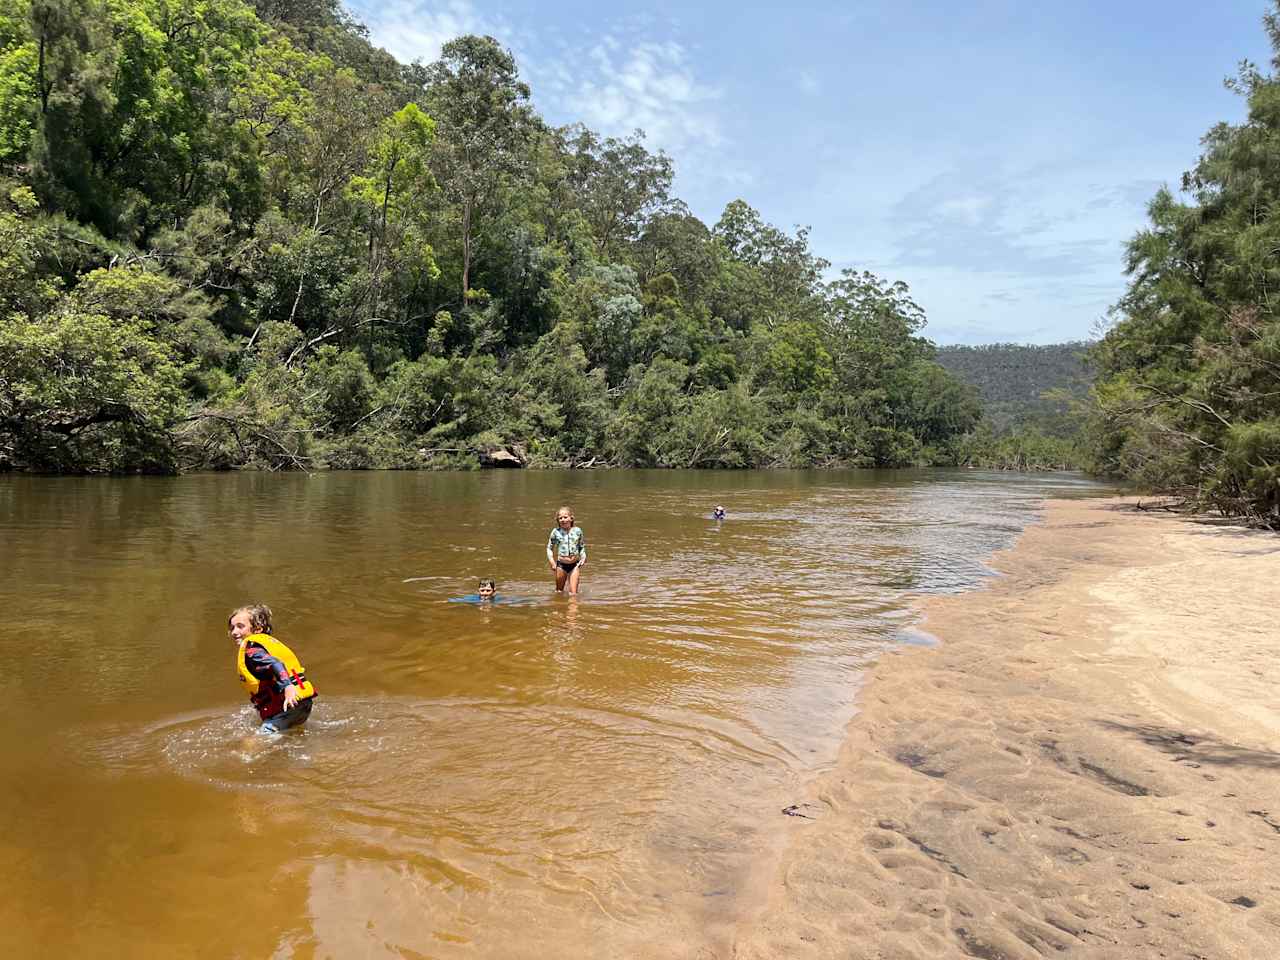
{"x": 573, "y": 580}
{"x": 561, "y": 576}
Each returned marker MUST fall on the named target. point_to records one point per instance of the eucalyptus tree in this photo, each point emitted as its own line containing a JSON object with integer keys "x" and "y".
{"x": 770, "y": 277}
{"x": 393, "y": 190}
{"x": 676, "y": 242}
{"x": 619, "y": 185}
{"x": 315, "y": 270}
{"x": 879, "y": 361}
{"x": 484, "y": 134}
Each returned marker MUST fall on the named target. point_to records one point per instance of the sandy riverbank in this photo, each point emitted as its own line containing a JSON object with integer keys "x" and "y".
{"x": 1088, "y": 766}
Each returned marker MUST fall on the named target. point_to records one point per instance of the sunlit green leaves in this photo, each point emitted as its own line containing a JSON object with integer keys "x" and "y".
{"x": 86, "y": 391}
{"x": 328, "y": 259}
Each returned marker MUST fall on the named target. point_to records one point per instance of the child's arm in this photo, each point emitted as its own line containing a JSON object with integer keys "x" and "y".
{"x": 582, "y": 548}
{"x": 551, "y": 557}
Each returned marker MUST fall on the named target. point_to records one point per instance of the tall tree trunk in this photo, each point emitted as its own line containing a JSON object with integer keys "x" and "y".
{"x": 466, "y": 249}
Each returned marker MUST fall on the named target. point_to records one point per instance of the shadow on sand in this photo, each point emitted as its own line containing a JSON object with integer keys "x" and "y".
{"x": 1185, "y": 748}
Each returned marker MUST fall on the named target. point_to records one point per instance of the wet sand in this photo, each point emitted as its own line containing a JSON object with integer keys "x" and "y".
{"x": 1087, "y": 766}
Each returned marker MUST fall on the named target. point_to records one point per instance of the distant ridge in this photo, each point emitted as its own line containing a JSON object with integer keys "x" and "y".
{"x": 1012, "y": 380}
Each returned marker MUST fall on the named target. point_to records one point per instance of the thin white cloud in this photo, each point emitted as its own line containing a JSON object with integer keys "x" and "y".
{"x": 632, "y": 78}
{"x": 650, "y": 86}
{"x": 410, "y": 30}
{"x": 614, "y": 81}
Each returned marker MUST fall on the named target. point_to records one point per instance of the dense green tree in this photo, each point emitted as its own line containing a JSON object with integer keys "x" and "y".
{"x": 770, "y": 277}
{"x": 86, "y": 391}
{"x": 602, "y": 311}
{"x": 560, "y": 405}
{"x": 394, "y": 192}
{"x": 1188, "y": 392}
{"x": 646, "y": 429}
{"x": 668, "y": 328}
{"x": 618, "y": 185}
{"x": 485, "y": 128}
{"x": 677, "y": 243}
{"x": 130, "y": 129}
{"x": 24, "y": 287}
{"x": 19, "y": 73}
{"x": 871, "y": 329}
{"x": 238, "y": 235}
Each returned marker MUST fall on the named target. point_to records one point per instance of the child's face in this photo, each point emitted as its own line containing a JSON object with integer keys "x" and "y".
{"x": 486, "y": 591}
{"x": 241, "y": 627}
{"x": 564, "y": 519}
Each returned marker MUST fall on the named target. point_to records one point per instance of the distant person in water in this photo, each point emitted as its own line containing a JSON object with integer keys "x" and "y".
{"x": 275, "y": 680}
{"x": 486, "y": 595}
{"x": 566, "y": 551}
{"x": 717, "y": 513}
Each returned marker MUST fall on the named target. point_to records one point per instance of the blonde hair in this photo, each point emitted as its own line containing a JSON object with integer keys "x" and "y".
{"x": 259, "y": 617}
{"x": 565, "y": 509}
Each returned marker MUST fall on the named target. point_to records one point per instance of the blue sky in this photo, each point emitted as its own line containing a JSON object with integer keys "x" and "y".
{"x": 993, "y": 155}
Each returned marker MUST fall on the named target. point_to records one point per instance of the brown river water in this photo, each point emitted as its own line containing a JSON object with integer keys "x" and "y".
{"x": 599, "y": 776}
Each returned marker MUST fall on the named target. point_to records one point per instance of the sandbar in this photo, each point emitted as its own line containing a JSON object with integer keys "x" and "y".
{"x": 1086, "y": 766}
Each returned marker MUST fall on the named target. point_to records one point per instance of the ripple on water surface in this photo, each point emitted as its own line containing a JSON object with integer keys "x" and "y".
{"x": 519, "y": 780}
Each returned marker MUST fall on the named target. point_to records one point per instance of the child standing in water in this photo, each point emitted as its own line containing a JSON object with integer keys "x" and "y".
{"x": 566, "y": 551}
{"x": 275, "y": 680}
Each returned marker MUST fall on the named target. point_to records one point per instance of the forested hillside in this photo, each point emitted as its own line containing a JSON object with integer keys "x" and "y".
{"x": 1023, "y": 384}
{"x": 1188, "y": 392}
{"x": 1031, "y": 401}
{"x": 237, "y": 234}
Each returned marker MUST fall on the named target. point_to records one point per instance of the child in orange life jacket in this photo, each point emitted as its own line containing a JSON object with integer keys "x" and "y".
{"x": 271, "y": 673}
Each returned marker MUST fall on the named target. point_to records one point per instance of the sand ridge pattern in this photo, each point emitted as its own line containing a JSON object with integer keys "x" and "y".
{"x": 1088, "y": 766}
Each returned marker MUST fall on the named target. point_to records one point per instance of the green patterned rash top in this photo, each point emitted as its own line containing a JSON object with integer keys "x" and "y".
{"x": 566, "y": 543}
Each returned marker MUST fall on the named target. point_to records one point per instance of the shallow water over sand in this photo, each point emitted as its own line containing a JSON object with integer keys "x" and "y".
{"x": 591, "y": 776}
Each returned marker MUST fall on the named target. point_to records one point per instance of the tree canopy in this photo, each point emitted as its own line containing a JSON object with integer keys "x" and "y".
{"x": 1188, "y": 391}
{"x": 237, "y": 234}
